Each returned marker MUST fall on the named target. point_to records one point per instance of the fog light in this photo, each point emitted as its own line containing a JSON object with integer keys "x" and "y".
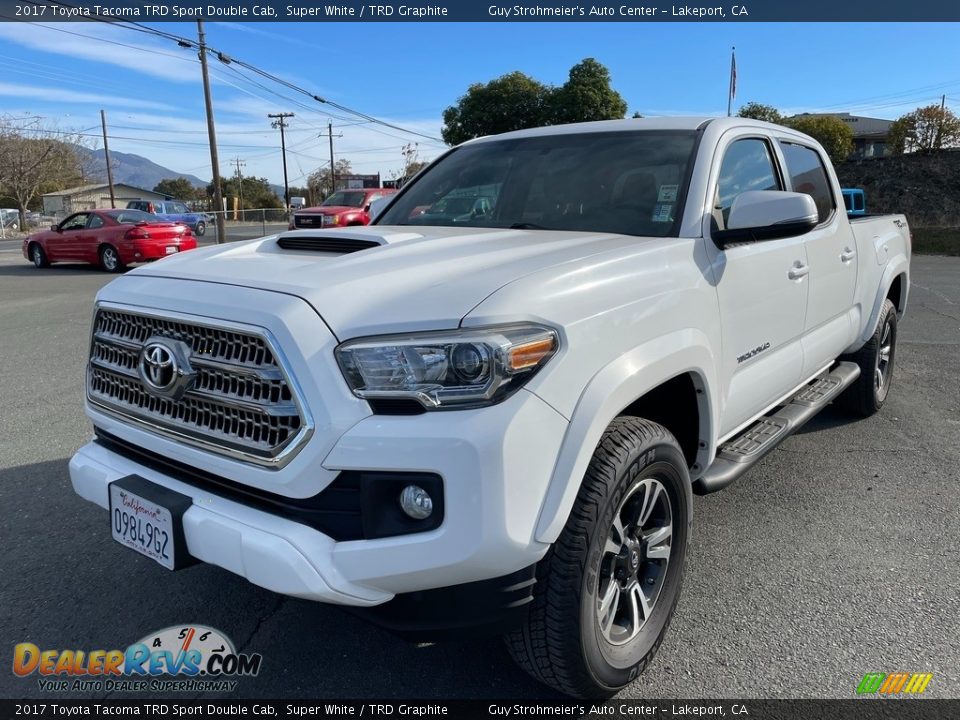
{"x": 416, "y": 502}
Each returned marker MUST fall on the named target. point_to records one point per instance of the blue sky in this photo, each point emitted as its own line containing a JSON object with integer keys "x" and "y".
{"x": 408, "y": 73}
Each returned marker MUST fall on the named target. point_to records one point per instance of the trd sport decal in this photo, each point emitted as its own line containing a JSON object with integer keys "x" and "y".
{"x": 756, "y": 351}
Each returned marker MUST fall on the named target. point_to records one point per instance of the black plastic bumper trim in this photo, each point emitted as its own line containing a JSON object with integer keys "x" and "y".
{"x": 355, "y": 506}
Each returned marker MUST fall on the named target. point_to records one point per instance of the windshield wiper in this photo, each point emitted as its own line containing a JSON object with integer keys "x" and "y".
{"x": 527, "y": 226}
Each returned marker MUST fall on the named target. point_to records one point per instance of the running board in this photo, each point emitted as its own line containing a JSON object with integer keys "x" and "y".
{"x": 742, "y": 452}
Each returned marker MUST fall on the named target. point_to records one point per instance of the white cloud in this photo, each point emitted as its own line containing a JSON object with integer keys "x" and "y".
{"x": 134, "y": 51}
{"x": 59, "y": 95}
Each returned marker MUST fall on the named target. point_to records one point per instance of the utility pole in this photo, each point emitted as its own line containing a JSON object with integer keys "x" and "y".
{"x": 333, "y": 167}
{"x": 106, "y": 155}
{"x": 240, "y": 163}
{"x": 279, "y": 121}
{"x": 212, "y": 134}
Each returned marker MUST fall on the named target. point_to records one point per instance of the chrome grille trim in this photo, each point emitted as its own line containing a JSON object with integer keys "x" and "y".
{"x": 245, "y": 403}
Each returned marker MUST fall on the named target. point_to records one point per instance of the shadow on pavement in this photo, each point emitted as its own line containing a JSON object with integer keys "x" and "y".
{"x": 73, "y": 586}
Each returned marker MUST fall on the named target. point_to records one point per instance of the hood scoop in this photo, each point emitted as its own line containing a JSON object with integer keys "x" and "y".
{"x": 325, "y": 243}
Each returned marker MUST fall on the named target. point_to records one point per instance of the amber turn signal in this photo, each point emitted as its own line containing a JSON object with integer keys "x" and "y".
{"x": 529, "y": 354}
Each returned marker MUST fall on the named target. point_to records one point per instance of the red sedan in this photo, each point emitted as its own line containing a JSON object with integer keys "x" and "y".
{"x": 111, "y": 239}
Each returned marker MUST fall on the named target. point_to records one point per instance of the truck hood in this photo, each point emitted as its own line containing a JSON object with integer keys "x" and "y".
{"x": 329, "y": 210}
{"x": 415, "y": 279}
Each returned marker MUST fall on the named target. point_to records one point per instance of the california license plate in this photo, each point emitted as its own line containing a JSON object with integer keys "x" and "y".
{"x": 171, "y": 249}
{"x": 148, "y": 518}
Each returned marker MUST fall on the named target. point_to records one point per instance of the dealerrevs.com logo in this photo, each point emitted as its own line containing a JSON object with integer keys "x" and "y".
{"x": 187, "y": 658}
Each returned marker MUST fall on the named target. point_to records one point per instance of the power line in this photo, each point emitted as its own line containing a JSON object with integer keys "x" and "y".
{"x": 227, "y": 60}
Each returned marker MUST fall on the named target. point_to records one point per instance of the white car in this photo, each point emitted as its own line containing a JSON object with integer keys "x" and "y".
{"x": 499, "y": 423}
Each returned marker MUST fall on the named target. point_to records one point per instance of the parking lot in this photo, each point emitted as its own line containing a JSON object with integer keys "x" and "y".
{"x": 837, "y": 556}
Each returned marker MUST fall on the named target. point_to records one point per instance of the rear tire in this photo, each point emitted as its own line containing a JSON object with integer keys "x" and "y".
{"x": 607, "y": 589}
{"x": 38, "y": 256}
{"x": 868, "y": 393}
{"x": 110, "y": 259}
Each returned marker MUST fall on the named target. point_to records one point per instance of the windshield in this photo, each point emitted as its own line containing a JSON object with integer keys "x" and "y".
{"x": 132, "y": 217}
{"x": 346, "y": 198}
{"x": 618, "y": 182}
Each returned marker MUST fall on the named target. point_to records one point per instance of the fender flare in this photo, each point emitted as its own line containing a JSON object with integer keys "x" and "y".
{"x": 898, "y": 265}
{"x": 613, "y": 388}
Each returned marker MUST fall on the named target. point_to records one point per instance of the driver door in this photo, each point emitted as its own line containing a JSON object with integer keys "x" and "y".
{"x": 762, "y": 300}
{"x": 66, "y": 244}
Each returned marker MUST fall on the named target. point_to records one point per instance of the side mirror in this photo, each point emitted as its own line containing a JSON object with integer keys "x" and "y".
{"x": 55, "y": 227}
{"x": 768, "y": 215}
{"x": 377, "y": 206}
{"x": 366, "y": 208}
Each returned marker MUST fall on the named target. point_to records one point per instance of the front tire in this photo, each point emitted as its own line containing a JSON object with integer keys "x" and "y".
{"x": 110, "y": 259}
{"x": 38, "y": 256}
{"x": 201, "y": 229}
{"x": 867, "y": 395}
{"x": 607, "y": 589}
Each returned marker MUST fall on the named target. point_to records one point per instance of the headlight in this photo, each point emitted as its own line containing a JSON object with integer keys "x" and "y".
{"x": 460, "y": 368}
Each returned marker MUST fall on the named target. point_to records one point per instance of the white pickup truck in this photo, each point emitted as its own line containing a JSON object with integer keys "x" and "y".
{"x": 496, "y": 417}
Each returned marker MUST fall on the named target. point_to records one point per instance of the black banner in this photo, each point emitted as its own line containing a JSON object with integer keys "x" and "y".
{"x": 865, "y": 709}
{"x": 639, "y": 11}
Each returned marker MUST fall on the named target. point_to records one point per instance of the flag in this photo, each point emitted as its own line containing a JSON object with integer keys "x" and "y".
{"x": 733, "y": 80}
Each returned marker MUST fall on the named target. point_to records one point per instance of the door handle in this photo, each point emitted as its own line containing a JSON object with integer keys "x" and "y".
{"x": 847, "y": 255}
{"x": 798, "y": 271}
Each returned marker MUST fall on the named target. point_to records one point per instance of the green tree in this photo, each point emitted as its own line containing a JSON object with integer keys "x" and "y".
{"x": 585, "y": 96}
{"x": 512, "y": 102}
{"x": 828, "y": 130}
{"x": 759, "y": 111}
{"x": 179, "y": 188}
{"x": 516, "y": 101}
{"x": 927, "y": 129}
{"x": 256, "y": 192}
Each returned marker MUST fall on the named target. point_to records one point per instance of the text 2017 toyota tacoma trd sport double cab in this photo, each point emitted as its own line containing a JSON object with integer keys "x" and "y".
{"x": 501, "y": 419}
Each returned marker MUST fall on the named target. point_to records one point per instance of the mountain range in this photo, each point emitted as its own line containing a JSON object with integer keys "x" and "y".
{"x": 130, "y": 169}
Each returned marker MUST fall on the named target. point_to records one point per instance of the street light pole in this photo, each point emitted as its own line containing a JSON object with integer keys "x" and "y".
{"x": 212, "y": 134}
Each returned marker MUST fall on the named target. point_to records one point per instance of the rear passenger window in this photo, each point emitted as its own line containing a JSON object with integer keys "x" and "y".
{"x": 747, "y": 165}
{"x": 808, "y": 175}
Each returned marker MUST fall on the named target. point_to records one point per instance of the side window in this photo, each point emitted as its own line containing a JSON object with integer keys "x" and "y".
{"x": 808, "y": 175}
{"x": 77, "y": 222}
{"x": 747, "y": 165}
{"x": 95, "y": 222}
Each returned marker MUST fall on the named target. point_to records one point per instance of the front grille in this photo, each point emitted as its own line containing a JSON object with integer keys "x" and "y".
{"x": 240, "y": 402}
{"x": 312, "y": 221}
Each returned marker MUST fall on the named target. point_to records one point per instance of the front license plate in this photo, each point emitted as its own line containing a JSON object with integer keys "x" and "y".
{"x": 148, "y": 518}
{"x": 171, "y": 249}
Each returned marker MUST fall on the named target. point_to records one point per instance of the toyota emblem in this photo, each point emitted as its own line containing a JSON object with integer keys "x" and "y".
{"x": 165, "y": 368}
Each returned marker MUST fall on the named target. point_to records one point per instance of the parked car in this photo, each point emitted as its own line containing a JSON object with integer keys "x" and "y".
{"x": 175, "y": 211}
{"x": 111, "y": 239}
{"x": 500, "y": 423}
{"x": 343, "y": 208}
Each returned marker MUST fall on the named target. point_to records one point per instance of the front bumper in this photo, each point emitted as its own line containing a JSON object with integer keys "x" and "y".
{"x": 495, "y": 464}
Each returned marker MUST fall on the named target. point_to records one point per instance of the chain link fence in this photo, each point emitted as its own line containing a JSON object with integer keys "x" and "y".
{"x": 245, "y": 224}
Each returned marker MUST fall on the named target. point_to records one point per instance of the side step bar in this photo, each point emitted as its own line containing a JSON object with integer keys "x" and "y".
{"x": 742, "y": 452}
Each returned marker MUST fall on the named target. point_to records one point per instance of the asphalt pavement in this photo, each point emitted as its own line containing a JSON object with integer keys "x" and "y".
{"x": 836, "y": 556}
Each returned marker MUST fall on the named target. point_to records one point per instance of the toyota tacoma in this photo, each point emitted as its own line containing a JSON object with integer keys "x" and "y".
{"x": 498, "y": 423}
